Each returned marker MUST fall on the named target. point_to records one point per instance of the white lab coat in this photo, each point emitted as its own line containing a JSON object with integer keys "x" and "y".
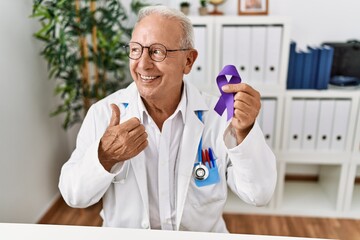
{"x": 248, "y": 169}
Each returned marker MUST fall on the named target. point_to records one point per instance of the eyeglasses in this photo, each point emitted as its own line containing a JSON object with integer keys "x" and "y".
{"x": 157, "y": 51}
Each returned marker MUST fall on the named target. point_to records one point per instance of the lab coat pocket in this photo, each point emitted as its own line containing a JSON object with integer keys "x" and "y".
{"x": 199, "y": 196}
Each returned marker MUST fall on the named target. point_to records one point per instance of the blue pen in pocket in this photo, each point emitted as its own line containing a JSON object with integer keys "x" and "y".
{"x": 212, "y": 158}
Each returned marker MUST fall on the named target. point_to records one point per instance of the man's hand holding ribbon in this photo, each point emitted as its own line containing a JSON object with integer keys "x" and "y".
{"x": 247, "y": 105}
{"x": 241, "y": 101}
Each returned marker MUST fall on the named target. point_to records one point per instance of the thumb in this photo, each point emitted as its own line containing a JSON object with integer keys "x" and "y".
{"x": 115, "y": 115}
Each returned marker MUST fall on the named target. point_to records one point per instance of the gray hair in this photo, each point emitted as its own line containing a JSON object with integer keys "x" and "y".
{"x": 187, "y": 40}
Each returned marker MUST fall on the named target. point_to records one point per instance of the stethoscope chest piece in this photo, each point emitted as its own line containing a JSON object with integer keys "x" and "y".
{"x": 201, "y": 172}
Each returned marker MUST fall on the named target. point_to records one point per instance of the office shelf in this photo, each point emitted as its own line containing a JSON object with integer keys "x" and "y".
{"x": 355, "y": 204}
{"x": 323, "y": 196}
{"x": 352, "y": 201}
{"x": 337, "y": 165}
{"x": 297, "y": 194}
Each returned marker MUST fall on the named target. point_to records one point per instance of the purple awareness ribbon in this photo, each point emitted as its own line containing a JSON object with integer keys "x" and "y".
{"x": 226, "y": 100}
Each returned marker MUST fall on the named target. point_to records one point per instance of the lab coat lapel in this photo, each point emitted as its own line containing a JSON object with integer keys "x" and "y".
{"x": 138, "y": 166}
{"x": 193, "y": 130}
{"x": 138, "y": 162}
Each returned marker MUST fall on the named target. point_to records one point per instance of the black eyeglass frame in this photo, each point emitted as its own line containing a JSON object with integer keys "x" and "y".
{"x": 148, "y": 47}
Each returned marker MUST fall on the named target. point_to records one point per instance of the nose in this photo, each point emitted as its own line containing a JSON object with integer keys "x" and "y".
{"x": 145, "y": 61}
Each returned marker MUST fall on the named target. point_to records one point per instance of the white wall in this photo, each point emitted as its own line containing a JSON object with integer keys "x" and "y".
{"x": 313, "y": 21}
{"x": 316, "y": 21}
{"x": 32, "y": 145}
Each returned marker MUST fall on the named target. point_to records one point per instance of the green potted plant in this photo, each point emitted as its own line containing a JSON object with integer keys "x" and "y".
{"x": 203, "y": 8}
{"x": 185, "y": 7}
{"x": 84, "y": 50}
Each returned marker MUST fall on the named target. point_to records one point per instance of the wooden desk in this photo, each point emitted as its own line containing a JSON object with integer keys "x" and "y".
{"x": 57, "y": 232}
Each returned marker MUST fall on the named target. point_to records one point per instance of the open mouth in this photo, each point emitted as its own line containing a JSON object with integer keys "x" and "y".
{"x": 147, "y": 78}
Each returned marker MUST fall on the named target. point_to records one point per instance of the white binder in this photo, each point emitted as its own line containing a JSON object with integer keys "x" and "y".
{"x": 260, "y": 117}
{"x": 198, "y": 72}
{"x": 341, "y": 119}
{"x": 273, "y": 50}
{"x": 296, "y": 123}
{"x": 243, "y": 43}
{"x": 268, "y": 120}
{"x": 257, "y": 59}
{"x": 326, "y": 115}
{"x": 311, "y": 116}
{"x": 229, "y": 47}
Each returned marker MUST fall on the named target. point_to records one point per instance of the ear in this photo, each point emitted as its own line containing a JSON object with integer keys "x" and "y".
{"x": 190, "y": 59}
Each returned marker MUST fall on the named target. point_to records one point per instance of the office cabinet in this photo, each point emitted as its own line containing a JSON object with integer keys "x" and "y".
{"x": 317, "y": 114}
{"x": 352, "y": 201}
{"x": 272, "y": 55}
{"x": 236, "y": 42}
{"x": 314, "y": 134}
{"x": 322, "y": 197}
{"x": 267, "y": 119}
{"x": 201, "y": 71}
{"x": 326, "y": 113}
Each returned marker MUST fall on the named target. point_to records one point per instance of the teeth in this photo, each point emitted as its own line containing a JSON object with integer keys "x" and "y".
{"x": 147, "y": 77}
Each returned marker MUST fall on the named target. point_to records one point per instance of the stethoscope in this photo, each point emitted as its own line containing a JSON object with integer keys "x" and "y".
{"x": 200, "y": 171}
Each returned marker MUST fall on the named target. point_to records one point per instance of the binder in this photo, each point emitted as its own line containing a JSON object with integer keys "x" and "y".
{"x": 198, "y": 73}
{"x": 329, "y": 60}
{"x": 321, "y": 69}
{"x": 315, "y": 59}
{"x": 268, "y": 120}
{"x": 325, "y": 123}
{"x": 242, "y": 59}
{"x": 299, "y": 64}
{"x": 273, "y": 50}
{"x": 341, "y": 120}
{"x": 307, "y": 70}
{"x": 229, "y": 45}
{"x": 324, "y": 70}
{"x": 296, "y": 124}
{"x": 310, "y": 123}
{"x": 291, "y": 66}
{"x": 260, "y": 117}
{"x": 257, "y": 59}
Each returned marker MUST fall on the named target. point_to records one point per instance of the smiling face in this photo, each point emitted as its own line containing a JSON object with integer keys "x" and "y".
{"x": 160, "y": 81}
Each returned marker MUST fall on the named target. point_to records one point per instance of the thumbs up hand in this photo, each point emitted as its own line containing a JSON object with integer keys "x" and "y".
{"x": 121, "y": 142}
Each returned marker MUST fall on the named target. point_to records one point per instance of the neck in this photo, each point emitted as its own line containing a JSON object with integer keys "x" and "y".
{"x": 162, "y": 109}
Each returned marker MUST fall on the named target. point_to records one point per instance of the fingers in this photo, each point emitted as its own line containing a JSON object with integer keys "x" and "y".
{"x": 134, "y": 151}
{"x": 247, "y": 103}
{"x": 133, "y": 147}
{"x": 131, "y": 124}
{"x": 130, "y": 146}
{"x": 115, "y": 119}
{"x": 136, "y": 131}
{"x": 127, "y": 132}
{"x": 246, "y": 107}
{"x": 246, "y": 98}
{"x": 141, "y": 139}
{"x": 121, "y": 142}
{"x": 240, "y": 87}
{"x": 115, "y": 115}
